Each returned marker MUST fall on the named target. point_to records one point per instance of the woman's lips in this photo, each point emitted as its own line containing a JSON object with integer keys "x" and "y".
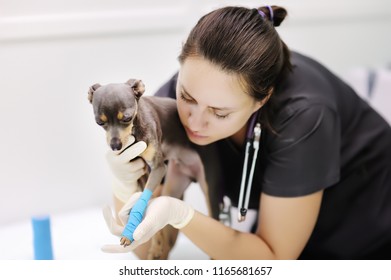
{"x": 193, "y": 134}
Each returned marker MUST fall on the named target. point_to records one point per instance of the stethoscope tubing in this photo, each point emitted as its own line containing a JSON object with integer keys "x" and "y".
{"x": 253, "y": 136}
{"x": 255, "y": 155}
{"x": 241, "y": 215}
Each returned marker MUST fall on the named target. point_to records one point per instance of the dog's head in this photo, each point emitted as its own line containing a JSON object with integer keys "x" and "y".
{"x": 115, "y": 108}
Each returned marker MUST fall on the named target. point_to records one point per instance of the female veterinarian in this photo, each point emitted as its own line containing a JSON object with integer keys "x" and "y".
{"x": 320, "y": 183}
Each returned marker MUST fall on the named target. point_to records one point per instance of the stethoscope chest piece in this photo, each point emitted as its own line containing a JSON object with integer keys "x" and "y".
{"x": 225, "y": 211}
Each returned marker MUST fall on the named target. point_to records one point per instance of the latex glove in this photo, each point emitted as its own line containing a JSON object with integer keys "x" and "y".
{"x": 117, "y": 227}
{"x": 161, "y": 211}
{"x": 126, "y": 169}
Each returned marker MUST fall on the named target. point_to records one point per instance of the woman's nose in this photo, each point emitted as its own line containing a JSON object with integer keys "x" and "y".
{"x": 196, "y": 120}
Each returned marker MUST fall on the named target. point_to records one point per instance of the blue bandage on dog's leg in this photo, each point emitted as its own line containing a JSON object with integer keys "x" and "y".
{"x": 136, "y": 214}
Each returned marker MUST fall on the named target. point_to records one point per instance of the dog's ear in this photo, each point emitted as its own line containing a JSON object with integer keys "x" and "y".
{"x": 137, "y": 86}
{"x": 91, "y": 91}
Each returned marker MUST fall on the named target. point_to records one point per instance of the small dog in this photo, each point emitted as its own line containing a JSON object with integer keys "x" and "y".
{"x": 122, "y": 111}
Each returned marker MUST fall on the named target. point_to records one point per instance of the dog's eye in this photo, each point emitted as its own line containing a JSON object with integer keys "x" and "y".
{"x": 126, "y": 120}
{"x": 101, "y": 123}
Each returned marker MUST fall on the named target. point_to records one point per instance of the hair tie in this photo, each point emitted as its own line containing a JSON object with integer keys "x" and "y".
{"x": 270, "y": 13}
{"x": 262, "y": 13}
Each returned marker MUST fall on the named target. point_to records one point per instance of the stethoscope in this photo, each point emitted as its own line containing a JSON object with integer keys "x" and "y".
{"x": 253, "y": 137}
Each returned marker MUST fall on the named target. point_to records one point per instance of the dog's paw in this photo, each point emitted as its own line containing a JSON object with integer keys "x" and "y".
{"x": 125, "y": 241}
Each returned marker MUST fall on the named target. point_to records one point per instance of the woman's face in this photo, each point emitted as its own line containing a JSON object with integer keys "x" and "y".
{"x": 211, "y": 103}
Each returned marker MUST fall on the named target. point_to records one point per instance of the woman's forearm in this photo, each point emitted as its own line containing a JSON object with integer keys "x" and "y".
{"x": 222, "y": 242}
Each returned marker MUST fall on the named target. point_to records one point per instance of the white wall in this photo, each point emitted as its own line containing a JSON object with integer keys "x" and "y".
{"x": 51, "y": 151}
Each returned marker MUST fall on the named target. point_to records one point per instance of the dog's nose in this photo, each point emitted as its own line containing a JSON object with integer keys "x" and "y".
{"x": 115, "y": 144}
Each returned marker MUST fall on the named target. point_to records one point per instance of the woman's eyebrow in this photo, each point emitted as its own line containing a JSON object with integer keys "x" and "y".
{"x": 222, "y": 108}
{"x": 186, "y": 92}
{"x": 212, "y": 107}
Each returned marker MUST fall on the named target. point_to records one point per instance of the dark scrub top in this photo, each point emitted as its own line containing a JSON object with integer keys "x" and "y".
{"x": 325, "y": 138}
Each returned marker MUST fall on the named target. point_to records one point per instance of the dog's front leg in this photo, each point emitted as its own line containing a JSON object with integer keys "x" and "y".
{"x": 155, "y": 177}
{"x": 176, "y": 181}
{"x": 175, "y": 184}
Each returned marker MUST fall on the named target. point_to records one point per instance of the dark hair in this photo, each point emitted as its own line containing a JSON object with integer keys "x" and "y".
{"x": 244, "y": 42}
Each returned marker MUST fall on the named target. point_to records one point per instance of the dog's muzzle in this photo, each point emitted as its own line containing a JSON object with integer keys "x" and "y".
{"x": 115, "y": 144}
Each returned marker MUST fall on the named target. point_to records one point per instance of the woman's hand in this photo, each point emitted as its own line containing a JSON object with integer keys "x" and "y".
{"x": 160, "y": 212}
{"x": 126, "y": 168}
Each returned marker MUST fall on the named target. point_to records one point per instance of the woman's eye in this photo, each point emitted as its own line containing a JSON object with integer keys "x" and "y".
{"x": 190, "y": 100}
{"x": 221, "y": 116}
{"x": 186, "y": 99}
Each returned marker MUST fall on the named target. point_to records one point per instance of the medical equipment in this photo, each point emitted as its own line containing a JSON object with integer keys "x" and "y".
{"x": 135, "y": 216}
{"x": 42, "y": 240}
{"x": 225, "y": 212}
{"x": 253, "y": 137}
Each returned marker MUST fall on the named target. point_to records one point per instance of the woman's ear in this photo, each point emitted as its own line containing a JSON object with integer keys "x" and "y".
{"x": 259, "y": 104}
